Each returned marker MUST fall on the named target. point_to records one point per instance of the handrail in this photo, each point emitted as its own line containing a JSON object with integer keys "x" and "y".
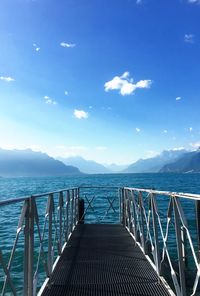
{"x": 20, "y": 199}
{"x": 153, "y": 217}
{"x": 47, "y": 221}
{"x": 47, "y": 224}
{"x": 167, "y": 193}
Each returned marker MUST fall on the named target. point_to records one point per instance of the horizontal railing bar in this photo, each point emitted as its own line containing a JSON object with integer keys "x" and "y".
{"x": 20, "y": 199}
{"x": 100, "y": 187}
{"x": 167, "y": 193}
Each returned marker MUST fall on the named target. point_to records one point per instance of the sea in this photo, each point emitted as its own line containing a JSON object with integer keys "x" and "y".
{"x": 12, "y": 188}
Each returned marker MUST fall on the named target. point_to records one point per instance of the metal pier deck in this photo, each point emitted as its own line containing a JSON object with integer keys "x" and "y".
{"x": 102, "y": 259}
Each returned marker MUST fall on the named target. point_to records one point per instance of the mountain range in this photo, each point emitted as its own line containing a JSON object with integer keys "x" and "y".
{"x": 85, "y": 166}
{"x": 154, "y": 164}
{"x": 188, "y": 163}
{"x": 26, "y": 163}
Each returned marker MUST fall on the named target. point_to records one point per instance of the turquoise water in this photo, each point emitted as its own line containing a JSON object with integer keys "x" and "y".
{"x": 15, "y": 187}
{"x": 11, "y": 188}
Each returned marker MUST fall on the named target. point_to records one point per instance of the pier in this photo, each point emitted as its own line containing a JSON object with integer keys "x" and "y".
{"x": 101, "y": 241}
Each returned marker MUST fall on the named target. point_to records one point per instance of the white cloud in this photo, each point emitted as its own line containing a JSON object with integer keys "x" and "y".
{"x": 7, "y": 79}
{"x": 138, "y": 129}
{"x": 125, "y": 75}
{"x": 67, "y": 45}
{"x": 178, "y": 98}
{"x": 190, "y": 129}
{"x": 178, "y": 148}
{"x": 49, "y": 101}
{"x": 80, "y": 114}
{"x": 189, "y": 38}
{"x": 66, "y": 93}
{"x": 165, "y": 131}
{"x": 126, "y": 85}
{"x": 36, "y": 47}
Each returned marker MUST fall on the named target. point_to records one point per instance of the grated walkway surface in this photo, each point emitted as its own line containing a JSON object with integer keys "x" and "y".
{"x": 102, "y": 260}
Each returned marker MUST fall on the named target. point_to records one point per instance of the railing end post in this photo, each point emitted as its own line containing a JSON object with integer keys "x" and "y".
{"x": 81, "y": 209}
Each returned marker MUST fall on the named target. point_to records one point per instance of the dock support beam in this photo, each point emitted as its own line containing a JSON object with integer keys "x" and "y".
{"x": 198, "y": 224}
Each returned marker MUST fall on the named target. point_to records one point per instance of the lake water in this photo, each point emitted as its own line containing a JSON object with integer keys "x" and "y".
{"x": 15, "y": 187}
{"x": 11, "y": 188}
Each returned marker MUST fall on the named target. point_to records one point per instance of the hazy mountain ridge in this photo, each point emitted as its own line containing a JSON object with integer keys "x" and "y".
{"x": 189, "y": 162}
{"x": 116, "y": 168}
{"x": 27, "y": 163}
{"x": 154, "y": 164}
{"x": 85, "y": 166}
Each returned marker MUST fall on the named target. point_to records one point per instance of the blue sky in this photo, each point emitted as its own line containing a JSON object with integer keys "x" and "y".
{"x": 112, "y": 81}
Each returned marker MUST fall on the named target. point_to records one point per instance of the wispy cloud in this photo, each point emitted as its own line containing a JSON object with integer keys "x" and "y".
{"x": 37, "y": 48}
{"x": 178, "y": 148}
{"x": 66, "y": 93}
{"x": 125, "y": 84}
{"x": 138, "y": 130}
{"x": 81, "y": 114}
{"x": 189, "y": 38}
{"x": 165, "y": 131}
{"x": 66, "y": 151}
{"x": 194, "y": 1}
{"x": 7, "y": 79}
{"x": 49, "y": 101}
{"x": 178, "y": 98}
{"x": 139, "y": 1}
{"x": 101, "y": 148}
{"x": 67, "y": 45}
{"x": 150, "y": 154}
{"x": 190, "y": 129}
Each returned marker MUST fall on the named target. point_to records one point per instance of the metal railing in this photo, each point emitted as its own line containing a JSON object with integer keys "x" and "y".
{"x": 166, "y": 228}
{"x": 101, "y": 204}
{"x": 35, "y": 230}
{"x": 44, "y": 225}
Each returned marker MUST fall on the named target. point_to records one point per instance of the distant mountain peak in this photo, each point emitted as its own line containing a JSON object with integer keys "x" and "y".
{"x": 15, "y": 163}
{"x": 154, "y": 164}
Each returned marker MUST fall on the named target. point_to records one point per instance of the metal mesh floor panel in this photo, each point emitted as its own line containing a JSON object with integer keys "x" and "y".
{"x": 103, "y": 260}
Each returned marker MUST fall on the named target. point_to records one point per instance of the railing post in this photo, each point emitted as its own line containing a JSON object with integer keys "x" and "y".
{"x": 50, "y": 244}
{"x": 142, "y": 220}
{"x": 123, "y": 208}
{"x": 155, "y": 231}
{"x": 76, "y": 205}
{"x": 134, "y": 224}
{"x": 130, "y": 226}
{"x": 60, "y": 221}
{"x": 198, "y": 224}
{"x": 67, "y": 214}
{"x": 81, "y": 210}
{"x": 29, "y": 248}
{"x": 180, "y": 247}
{"x": 72, "y": 210}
